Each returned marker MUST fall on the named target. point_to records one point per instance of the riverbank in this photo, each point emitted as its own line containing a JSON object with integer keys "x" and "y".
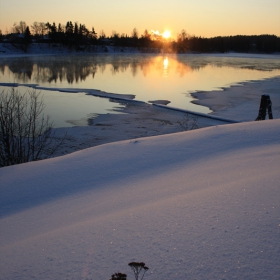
{"x": 241, "y": 102}
{"x": 237, "y": 103}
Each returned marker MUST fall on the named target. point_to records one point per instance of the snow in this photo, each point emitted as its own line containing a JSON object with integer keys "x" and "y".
{"x": 241, "y": 101}
{"x": 200, "y": 204}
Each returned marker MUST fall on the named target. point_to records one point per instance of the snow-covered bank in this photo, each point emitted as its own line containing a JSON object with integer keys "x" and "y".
{"x": 139, "y": 119}
{"x": 236, "y": 103}
{"x": 241, "y": 102}
{"x": 202, "y": 204}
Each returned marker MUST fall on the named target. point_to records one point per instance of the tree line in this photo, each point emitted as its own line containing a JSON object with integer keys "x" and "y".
{"x": 79, "y": 37}
{"x": 239, "y": 43}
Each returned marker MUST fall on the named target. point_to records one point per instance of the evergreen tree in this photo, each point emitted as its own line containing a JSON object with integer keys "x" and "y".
{"x": 27, "y": 39}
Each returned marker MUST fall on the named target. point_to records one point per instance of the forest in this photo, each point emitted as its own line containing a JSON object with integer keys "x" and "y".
{"x": 78, "y": 37}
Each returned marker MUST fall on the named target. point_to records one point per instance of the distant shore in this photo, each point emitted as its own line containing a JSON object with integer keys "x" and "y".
{"x": 9, "y": 50}
{"x": 35, "y": 49}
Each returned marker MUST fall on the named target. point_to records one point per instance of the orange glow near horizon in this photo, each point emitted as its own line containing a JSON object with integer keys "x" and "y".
{"x": 200, "y": 18}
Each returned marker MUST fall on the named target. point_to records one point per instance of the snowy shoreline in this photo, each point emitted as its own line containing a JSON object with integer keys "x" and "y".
{"x": 234, "y": 104}
{"x": 237, "y": 103}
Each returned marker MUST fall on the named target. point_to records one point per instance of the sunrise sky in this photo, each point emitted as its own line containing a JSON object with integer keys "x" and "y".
{"x": 206, "y": 18}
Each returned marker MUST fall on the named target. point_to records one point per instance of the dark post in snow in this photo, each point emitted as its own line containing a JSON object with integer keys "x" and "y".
{"x": 265, "y": 104}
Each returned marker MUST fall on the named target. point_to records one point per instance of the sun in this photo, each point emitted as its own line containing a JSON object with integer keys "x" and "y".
{"x": 166, "y": 34}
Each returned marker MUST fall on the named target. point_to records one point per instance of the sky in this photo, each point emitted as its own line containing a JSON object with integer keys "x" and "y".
{"x": 206, "y": 18}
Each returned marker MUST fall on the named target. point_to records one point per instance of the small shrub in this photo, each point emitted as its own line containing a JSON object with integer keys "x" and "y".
{"x": 137, "y": 267}
{"x": 188, "y": 122}
{"x": 118, "y": 276}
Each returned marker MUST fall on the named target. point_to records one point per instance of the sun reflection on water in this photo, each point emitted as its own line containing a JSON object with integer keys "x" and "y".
{"x": 165, "y": 67}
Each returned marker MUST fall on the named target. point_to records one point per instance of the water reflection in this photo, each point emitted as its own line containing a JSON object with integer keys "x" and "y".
{"x": 76, "y": 69}
{"x": 48, "y": 70}
{"x": 72, "y": 109}
{"x": 147, "y": 76}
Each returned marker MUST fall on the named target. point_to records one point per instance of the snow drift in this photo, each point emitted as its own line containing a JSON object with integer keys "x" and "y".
{"x": 202, "y": 204}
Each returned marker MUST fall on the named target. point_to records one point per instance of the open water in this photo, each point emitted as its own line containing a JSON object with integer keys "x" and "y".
{"x": 148, "y": 77}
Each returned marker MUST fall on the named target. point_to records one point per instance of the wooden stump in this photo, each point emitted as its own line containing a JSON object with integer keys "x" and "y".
{"x": 265, "y": 105}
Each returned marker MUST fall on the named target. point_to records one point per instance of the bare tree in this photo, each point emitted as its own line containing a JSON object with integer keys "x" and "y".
{"x": 182, "y": 36}
{"x": 38, "y": 28}
{"x": 115, "y": 35}
{"x": 35, "y": 28}
{"x": 134, "y": 33}
{"x": 146, "y": 35}
{"x": 102, "y": 34}
{"x": 25, "y": 134}
{"x": 19, "y": 28}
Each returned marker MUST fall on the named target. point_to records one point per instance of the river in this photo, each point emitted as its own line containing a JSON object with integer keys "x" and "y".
{"x": 149, "y": 77}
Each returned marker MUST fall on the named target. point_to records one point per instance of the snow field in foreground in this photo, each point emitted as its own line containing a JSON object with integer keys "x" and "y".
{"x": 202, "y": 204}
